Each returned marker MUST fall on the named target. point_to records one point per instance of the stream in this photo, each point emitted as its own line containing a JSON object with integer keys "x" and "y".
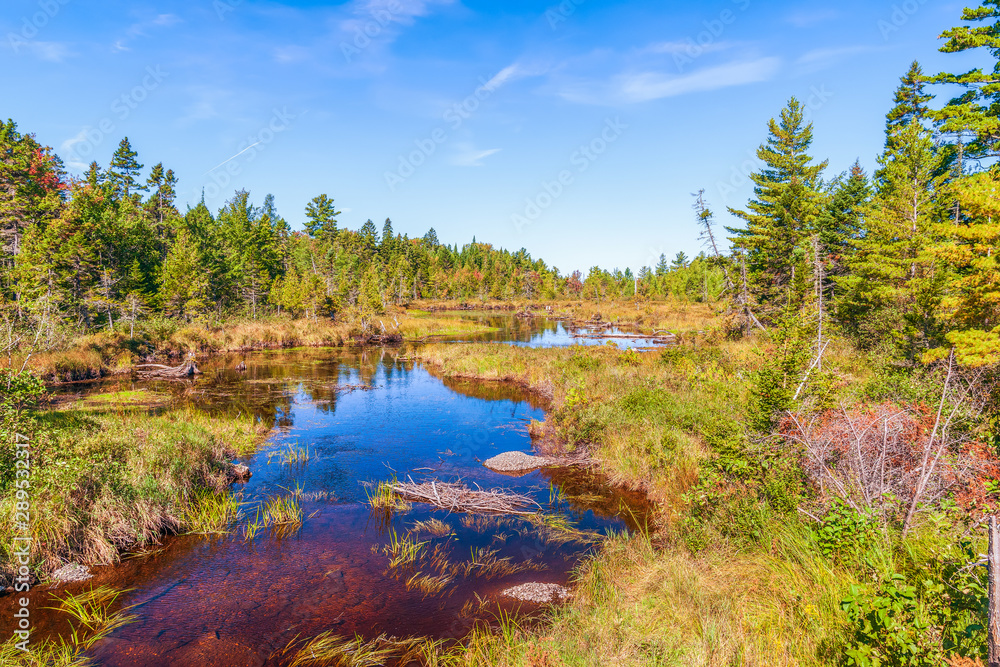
{"x": 235, "y": 601}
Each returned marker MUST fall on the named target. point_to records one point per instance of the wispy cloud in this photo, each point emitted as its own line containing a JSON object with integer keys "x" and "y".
{"x": 69, "y": 153}
{"x": 818, "y": 59}
{"x": 53, "y": 52}
{"x": 143, "y": 28}
{"x": 467, "y": 155}
{"x": 805, "y": 18}
{"x": 686, "y": 47}
{"x": 637, "y": 87}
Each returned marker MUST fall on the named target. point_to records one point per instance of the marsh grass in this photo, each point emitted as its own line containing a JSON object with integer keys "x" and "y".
{"x": 428, "y": 584}
{"x": 290, "y": 455}
{"x": 433, "y": 527}
{"x": 212, "y": 513}
{"x": 382, "y": 497}
{"x": 91, "y": 618}
{"x": 112, "y": 482}
{"x": 92, "y": 611}
{"x": 331, "y": 650}
{"x": 402, "y": 551}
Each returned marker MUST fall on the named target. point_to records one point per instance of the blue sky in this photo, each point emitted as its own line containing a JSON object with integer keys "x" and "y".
{"x": 576, "y": 130}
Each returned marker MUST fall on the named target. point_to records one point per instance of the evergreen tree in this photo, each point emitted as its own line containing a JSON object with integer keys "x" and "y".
{"x": 124, "y": 170}
{"x": 782, "y": 218}
{"x": 321, "y": 217}
{"x": 977, "y": 109}
{"x": 431, "y": 238}
{"x": 662, "y": 267}
{"x": 892, "y": 287}
{"x": 910, "y": 100}
{"x": 842, "y": 221}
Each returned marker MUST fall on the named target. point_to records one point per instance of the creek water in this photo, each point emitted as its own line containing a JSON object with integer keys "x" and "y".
{"x": 363, "y": 416}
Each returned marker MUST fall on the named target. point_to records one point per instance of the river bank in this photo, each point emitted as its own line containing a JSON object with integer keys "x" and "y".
{"x": 742, "y": 564}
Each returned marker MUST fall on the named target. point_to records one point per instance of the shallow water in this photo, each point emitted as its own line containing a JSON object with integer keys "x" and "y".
{"x": 233, "y": 601}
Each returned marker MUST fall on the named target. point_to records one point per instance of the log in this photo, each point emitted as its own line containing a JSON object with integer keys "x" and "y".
{"x": 188, "y": 369}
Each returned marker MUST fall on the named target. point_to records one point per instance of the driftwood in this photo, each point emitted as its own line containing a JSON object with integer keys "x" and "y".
{"x": 188, "y": 369}
{"x": 460, "y": 498}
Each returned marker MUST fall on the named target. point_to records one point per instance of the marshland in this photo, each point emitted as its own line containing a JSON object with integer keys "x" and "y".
{"x": 241, "y": 427}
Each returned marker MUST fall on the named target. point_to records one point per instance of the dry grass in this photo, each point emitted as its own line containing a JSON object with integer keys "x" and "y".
{"x": 111, "y": 482}
{"x": 433, "y": 527}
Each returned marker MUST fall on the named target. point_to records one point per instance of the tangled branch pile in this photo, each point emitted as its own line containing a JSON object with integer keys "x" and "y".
{"x": 895, "y": 461}
{"x": 456, "y": 497}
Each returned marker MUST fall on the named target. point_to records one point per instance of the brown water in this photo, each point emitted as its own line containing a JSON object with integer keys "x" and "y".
{"x": 232, "y": 601}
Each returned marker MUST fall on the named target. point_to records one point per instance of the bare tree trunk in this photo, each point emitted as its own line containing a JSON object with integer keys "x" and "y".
{"x": 994, "y": 595}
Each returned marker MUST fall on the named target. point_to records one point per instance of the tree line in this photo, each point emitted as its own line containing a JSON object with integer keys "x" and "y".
{"x": 112, "y": 246}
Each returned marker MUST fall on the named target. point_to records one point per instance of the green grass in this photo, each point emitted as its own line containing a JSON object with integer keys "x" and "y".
{"x": 112, "y": 482}
{"x": 728, "y": 573}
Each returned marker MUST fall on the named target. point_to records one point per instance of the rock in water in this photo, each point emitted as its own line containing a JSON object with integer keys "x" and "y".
{"x": 71, "y": 573}
{"x": 537, "y": 593}
{"x": 239, "y": 473}
{"x": 516, "y": 462}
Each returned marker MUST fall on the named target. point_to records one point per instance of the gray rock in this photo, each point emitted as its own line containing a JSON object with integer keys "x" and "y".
{"x": 537, "y": 593}
{"x": 516, "y": 462}
{"x": 71, "y": 573}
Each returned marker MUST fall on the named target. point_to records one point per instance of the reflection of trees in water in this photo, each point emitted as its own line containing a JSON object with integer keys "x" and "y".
{"x": 586, "y": 490}
{"x": 491, "y": 391}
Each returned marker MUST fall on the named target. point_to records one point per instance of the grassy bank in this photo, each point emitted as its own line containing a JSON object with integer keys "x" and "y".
{"x": 734, "y": 572}
{"x": 105, "y": 353}
{"x": 109, "y": 477}
{"x": 640, "y": 315}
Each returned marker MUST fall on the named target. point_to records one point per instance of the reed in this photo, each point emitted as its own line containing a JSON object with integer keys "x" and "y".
{"x": 92, "y": 611}
{"x": 212, "y": 513}
{"x": 434, "y": 527}
{"x": 402, "y": 551}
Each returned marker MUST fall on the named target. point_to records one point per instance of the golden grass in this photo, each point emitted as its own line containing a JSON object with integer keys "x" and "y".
{"x": 434, "y": 527}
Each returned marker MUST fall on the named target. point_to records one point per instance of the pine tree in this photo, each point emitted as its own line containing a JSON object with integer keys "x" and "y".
{"x": 842, "y": 221}
{"x": 782, "y": 218}
{"x": 431, "y": 238}
{"x": 892, "y": 286}
{"x": 662, "y": 267}
{"x": 321, "y": 217}
{"x": 971, "y": 309}
{"x": 977, "y": 110}
{"x": 910, "y": 100}
{"x": 124, "y": 170}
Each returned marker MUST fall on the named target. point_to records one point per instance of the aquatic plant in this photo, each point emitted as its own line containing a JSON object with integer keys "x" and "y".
{"x": 290, "y": 455}
{"x": 382, "y": 497}
{"x": 434, "y": 527}
{"x": 212, "y": 513}
{"x": 93, "y": 615}
{"x": 427, "y": 583}
{"x": 402, "y": 550}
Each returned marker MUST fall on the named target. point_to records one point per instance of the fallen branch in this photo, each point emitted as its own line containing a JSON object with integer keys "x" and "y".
{"x": 460, "y": 498}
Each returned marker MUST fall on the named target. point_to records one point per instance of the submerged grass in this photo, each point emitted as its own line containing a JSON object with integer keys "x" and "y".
{"x": 91, "y": 619}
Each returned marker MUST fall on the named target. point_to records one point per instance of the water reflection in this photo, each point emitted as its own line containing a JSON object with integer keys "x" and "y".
{"x": 362, "y": 416}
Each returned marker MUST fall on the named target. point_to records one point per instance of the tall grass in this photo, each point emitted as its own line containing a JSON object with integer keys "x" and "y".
{"x": 107, "y": 483}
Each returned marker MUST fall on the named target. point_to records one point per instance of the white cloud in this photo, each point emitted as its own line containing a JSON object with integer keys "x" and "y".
{"x": 818, "y": 59}
{"x": 467, "y": 155}
{"x": 68, "y": 151}
{"x": 53, "y": 52}
{"x": 687, "y": 47}
{"x": 633, "y": 88}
